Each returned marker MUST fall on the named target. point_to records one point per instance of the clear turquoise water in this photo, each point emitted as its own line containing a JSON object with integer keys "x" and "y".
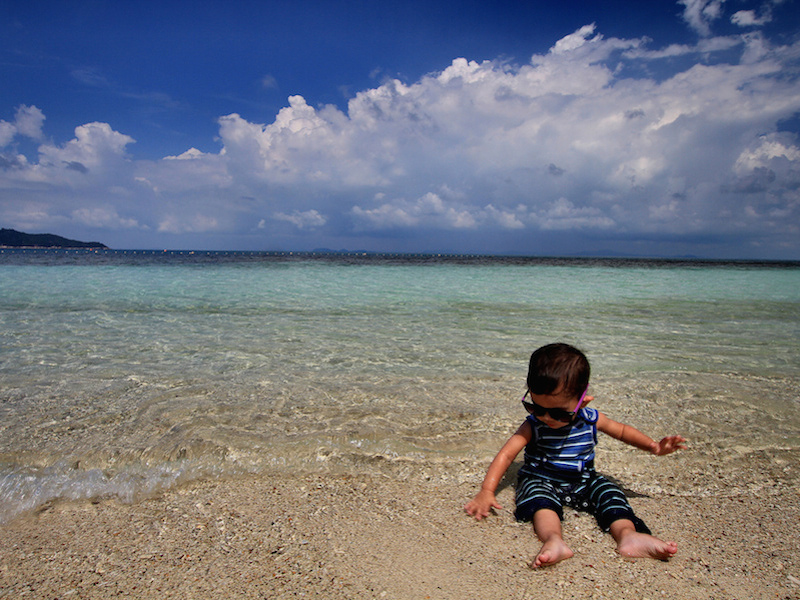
{"x": 125, "y": 375}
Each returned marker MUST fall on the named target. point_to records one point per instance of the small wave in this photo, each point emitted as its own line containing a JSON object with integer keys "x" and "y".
{"x": 27, "y": 489}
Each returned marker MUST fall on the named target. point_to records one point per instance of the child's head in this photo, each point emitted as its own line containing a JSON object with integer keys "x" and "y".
{"x": 558, "y": 367}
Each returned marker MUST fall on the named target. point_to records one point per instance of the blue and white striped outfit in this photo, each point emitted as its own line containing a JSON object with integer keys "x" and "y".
{"x": 559, "y": 471}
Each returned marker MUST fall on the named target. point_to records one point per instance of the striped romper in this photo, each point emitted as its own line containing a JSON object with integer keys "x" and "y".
{"x": 559, "y": 471}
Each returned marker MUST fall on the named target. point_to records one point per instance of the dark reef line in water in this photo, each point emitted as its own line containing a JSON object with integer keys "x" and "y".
{"x": 94, "y": 256}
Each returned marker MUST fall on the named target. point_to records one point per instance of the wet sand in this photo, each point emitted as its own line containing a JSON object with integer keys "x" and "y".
{"x": 371, "y": 536}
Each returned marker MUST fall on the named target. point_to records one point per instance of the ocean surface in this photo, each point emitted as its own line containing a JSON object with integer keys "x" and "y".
{"x": 127, "y": 373}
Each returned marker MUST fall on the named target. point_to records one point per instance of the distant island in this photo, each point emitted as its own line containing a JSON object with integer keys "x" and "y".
{"x": 9, "y": 238}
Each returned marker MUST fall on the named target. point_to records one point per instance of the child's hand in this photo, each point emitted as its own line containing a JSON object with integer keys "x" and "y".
{"x": 482, "y": 504}
{"x": 668, "y": 445}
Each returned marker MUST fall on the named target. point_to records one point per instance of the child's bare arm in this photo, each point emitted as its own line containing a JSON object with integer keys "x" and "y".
{"x": 634, "y": 437}
{"x": 670, "y": 444}
{"x": 485, "y": 500}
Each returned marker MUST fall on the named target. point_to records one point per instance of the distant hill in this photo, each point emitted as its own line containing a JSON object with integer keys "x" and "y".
{"x": 16, "y": 239}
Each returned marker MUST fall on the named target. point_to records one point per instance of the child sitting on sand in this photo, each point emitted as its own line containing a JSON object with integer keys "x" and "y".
{"x": 559, "y": 437}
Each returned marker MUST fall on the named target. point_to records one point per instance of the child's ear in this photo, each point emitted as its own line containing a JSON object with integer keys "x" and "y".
{"x": 587, "y": 399}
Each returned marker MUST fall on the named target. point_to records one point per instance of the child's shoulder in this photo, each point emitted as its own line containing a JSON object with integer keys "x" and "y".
{"x": 590, "y": 415}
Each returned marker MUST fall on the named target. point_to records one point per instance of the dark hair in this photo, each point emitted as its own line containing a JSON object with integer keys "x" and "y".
{"x": 558, "y": 365}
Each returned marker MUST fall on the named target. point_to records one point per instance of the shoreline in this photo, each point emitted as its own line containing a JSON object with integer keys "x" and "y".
{"x": 372, "y": 536}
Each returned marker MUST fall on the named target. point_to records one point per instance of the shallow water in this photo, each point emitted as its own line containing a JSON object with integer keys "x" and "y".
{"x": 124, "y": 374}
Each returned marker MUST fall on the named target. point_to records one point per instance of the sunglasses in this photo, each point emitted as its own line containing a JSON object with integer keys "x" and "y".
{"x": 557, "y": 414}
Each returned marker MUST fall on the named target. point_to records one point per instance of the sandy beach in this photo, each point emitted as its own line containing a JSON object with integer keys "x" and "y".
{"x": 339, "y": 536}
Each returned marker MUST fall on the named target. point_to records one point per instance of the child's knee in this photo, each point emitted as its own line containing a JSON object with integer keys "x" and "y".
{"x": 604, "y": 520}
{"x": 527, "y": 509}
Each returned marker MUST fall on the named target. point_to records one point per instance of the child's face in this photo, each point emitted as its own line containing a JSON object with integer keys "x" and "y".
{"x": 560, "y": 399}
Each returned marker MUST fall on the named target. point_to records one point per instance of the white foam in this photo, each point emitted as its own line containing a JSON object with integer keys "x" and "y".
{"x": 24, "y": 490}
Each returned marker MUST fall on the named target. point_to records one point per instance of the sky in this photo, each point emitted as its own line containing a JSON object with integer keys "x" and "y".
{"x": 597, "y": 127}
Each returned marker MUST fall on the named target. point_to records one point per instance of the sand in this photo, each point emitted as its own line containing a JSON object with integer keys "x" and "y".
{"x": 371, "y": 536}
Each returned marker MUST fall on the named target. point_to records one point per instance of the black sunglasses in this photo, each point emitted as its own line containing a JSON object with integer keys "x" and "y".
{"x": 557, "y": 414}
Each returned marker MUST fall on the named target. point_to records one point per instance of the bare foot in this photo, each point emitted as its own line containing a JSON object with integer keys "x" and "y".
{"x": 552, "y": 551}
{"x": 641, "y": 545}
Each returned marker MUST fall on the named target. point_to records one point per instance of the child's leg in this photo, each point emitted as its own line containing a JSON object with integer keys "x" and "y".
{"x": 614, "y": 514}
{"x": 632, "y": 544}
{"x": 547, "y": 525}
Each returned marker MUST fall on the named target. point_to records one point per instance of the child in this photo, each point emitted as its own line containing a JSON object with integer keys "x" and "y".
{"x": 559, "y": 437}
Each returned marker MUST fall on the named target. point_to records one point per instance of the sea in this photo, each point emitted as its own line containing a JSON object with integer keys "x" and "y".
{"x": 125, "y": 374}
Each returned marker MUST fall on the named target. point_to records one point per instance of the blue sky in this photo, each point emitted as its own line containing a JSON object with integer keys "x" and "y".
{"x": 599, "y": 127}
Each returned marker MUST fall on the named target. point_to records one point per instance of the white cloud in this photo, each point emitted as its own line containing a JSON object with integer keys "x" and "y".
{"x": 575, "y": 40}
{"x": 7, "y": 133}
{"x": 28, "y": 122}
{"x": 699, "y": 14}
{"x": 564, "y": 215}
{"x": 95, "y": 145}
{"x": 513, "y": 218}
{"x": 102, "y": 218}
{"x": 568, "y": 141}
{"x": 767, "y": 150}
{"x": 429, "y": 211}
{"x": 748, "y": 18}
{"x": 309, "y": 219}
{"x": 316, "y": 145}
{"x": 753, "y": 18}
{"x": 190, "y": 154}
{"x": 193, "y": 224}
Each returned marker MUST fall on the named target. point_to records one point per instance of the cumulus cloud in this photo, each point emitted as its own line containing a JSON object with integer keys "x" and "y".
{"x": 700, "y": 14}
{"x": 429, "y": 211}
{"x": 766, "y": 151}
{"x": 103, "y": 218}
{"x": 309, "y": 219}
{"x": 95, "y": 145}
{"x": 756, "y": 18}
{"x": 193, "y": 224}
{"x": 564, "y": 215}
{"x": 190, "y": 154}
{"x": 570, "y": 141}
{"x": 748, "y": 18}
{"x": 28, "y": 122}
